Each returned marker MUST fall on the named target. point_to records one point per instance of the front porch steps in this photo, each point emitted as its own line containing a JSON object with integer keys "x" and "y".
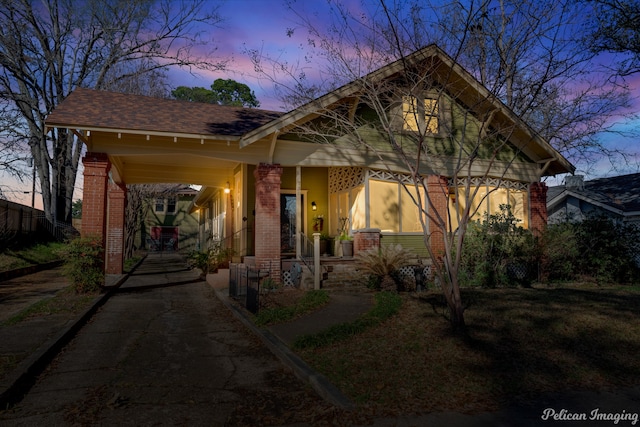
{"x": 341, "y": 274}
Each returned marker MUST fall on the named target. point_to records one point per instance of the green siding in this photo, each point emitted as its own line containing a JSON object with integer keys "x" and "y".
{"x": 413, "y": 243}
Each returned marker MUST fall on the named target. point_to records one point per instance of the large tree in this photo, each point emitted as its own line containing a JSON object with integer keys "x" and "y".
{"x": 50, "y": 47}
{"x": 518, "y": 50}
{"x": 615, "y": 26}
{"x": 222, "y": 92}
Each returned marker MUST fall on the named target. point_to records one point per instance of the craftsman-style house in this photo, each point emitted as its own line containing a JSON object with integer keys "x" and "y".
{"x": 266, "y": 185}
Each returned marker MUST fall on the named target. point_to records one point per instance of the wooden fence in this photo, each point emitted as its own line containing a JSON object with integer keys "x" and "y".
{"x": 18, "y": 221}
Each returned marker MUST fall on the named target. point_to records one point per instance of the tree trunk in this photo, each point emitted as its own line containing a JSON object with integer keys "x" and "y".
{"x": 456, "y": 311}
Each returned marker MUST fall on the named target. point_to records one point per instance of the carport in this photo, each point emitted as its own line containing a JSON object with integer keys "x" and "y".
{"x": 134, "y": 139}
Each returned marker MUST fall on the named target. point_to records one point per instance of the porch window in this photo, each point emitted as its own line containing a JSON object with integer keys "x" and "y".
{"x": 378, "y": 201}
{"x": 392, "y": 208}
{"x": 420, "y": 115}
{"x": 487, "y": 201}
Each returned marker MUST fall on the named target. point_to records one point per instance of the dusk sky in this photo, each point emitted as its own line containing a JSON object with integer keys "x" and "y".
{"x": 253, "y": 24}
{"x": 262, "y": 25}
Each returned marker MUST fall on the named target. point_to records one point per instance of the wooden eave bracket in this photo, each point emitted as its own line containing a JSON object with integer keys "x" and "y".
{"x": 80, "y": 136}
{"x": 546, "y": 163}
{"x": 272, "y": 148}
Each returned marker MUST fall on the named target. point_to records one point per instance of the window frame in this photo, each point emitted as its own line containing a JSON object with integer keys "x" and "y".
{"x": 171, "y": 201}
{"x": 417, "y": 117}
{"x": 159, "y": 203}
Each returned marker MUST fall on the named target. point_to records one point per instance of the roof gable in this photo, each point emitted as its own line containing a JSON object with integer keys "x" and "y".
{"x": 619, "y": 193}
{"x": 449, "y": 74}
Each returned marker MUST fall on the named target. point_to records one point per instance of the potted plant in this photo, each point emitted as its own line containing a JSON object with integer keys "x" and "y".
{"x": 318, "y": 223}
{"x": 326, "y": 243}
{"x": 346, "y": 242}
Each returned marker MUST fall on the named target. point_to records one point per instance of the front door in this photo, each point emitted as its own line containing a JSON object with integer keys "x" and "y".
{"x": 164, "y": 239}
{"x": 288, "y": 221}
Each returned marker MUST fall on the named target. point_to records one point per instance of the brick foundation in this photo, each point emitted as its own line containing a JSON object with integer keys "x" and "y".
{"x": 365, "y": 239}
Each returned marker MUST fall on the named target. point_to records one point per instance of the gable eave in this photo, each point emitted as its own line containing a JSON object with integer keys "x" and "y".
{"x": 529, "y": 141}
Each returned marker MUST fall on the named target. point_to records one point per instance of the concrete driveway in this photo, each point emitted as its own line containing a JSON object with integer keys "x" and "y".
{"x": 163, "y": 351}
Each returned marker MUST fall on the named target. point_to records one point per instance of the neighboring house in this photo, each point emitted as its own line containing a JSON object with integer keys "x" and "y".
{"x": 265, "y": 186}
{"x": 169, "y": 226}
{"x": 617, "y": 198}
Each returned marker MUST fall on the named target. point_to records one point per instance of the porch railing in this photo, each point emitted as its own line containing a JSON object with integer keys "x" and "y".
{"x": 306, "y": 252}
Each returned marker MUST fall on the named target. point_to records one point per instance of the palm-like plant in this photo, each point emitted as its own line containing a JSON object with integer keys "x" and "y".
{"x": 383, "y": 262}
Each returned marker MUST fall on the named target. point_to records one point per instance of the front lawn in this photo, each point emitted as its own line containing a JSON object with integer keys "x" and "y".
{"x": 12, "y": 259}
{"x": 520, "y": 343}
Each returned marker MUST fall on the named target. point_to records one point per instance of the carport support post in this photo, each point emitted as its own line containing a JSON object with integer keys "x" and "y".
{"x": 267, "y": 232}
{"x": 94, "y": 195}
{"x": 117, "y": 197}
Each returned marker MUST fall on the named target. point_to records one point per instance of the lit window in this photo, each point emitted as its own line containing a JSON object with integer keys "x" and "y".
{"x": 420, "y": 116}
{"x": 487, "y": 201}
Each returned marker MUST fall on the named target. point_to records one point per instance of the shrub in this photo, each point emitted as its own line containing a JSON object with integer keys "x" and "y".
{"x": 498, "y": 252}
{"x": 211, "y": 259}
{"x": 607, "y": 249}
{"x": 83, "y": 264}
{"x": 597, "y": 247}
{"x": 559, "y": 252}
{"x": 382, "y": 264}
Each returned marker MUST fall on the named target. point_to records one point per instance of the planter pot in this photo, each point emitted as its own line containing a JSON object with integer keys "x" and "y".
{"x": 323, "y": 247}
{"x": 347, "y": 248}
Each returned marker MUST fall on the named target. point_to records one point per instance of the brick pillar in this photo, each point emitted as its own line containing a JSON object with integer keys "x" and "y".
{"x": 366, "y": 238}
{"x": 438, "y": 190}
{"x": 267, "y": 231}
{"x": 114, "y": 252}
{"x": 94, "y": 195}
{"x": 538, "y": 207}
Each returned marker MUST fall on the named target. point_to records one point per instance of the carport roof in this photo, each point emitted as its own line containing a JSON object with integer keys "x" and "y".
{"x": 110, "y": 110}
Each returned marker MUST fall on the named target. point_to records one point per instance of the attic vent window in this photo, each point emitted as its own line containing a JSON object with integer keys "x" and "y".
{"x": 420, "y": 115}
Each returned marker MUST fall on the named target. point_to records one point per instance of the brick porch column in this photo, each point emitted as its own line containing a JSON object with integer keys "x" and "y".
{"x": 365, "y": 239}
{"x": 538, "y": 207}
{"x": 117, "y": 199}
{"x": 94, "y": 195}
{"x": 438, "y": 190}
{"x": 267, "y": 228}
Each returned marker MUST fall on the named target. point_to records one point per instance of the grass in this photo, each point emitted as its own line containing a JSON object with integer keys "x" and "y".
{"x": 309, "y": 301}
{"x": 66, "y": 301}
{"x": 386, "y": 305}
{"x": 12, "y": 259}
{"x": 520, "y": 342}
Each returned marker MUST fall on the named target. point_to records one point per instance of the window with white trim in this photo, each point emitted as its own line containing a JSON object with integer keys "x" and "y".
{"x": 420, "y": 114}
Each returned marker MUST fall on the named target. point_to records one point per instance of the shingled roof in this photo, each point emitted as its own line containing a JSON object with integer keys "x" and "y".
{"x": 118, "y": 111}
{"x": 619, "y": 192}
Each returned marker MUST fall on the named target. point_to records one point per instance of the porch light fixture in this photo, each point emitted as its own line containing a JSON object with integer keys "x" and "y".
{"x": 314, "y": 207}
{"x": 227, "y": 189}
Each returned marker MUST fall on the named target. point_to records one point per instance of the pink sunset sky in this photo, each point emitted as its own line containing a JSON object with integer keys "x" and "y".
{"x": 262, "y": 25}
